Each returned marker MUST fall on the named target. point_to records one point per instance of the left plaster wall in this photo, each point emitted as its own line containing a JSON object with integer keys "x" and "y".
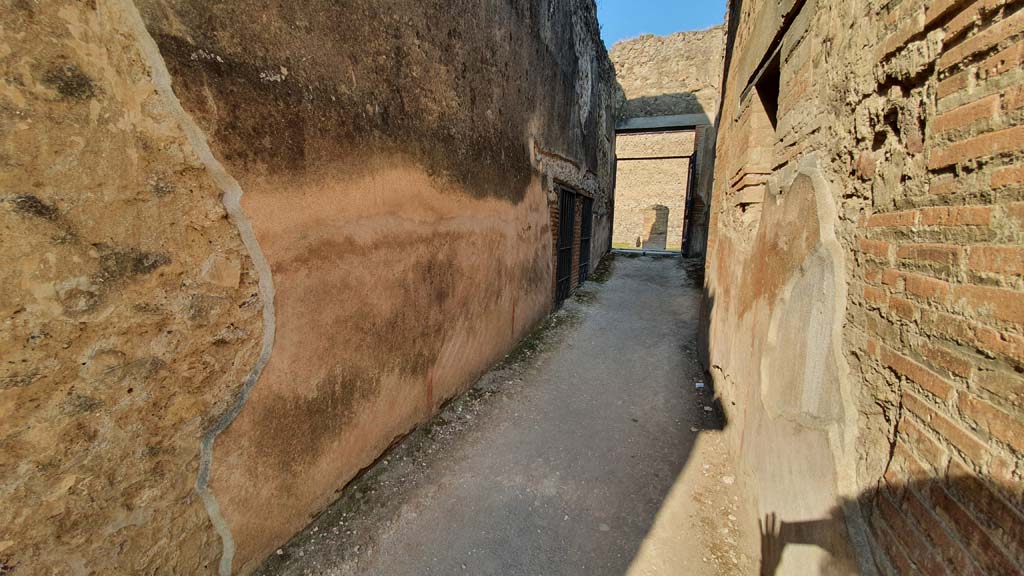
{"x": 399, "y": 179}
{"x": 130, "y": 304}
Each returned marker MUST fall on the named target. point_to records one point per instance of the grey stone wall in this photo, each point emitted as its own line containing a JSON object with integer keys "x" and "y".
{"x": 666, "y": 75}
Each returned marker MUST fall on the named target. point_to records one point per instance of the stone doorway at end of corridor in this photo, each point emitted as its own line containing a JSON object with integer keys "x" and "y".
{"x": 656, "y": 177}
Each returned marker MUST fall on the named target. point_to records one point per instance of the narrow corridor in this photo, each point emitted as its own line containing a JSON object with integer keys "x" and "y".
{"x": 273, "y": 273}
{"x": 592, "y": 451}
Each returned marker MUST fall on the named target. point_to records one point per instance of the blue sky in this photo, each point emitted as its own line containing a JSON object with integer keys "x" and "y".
{"x": 621, "y": 19}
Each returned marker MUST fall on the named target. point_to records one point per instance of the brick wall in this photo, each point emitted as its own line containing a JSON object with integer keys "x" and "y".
{"x": 696, "y": 229}
{"x": 909, "y": 121}
{"x": 939, "y": 276}
{"x": 676, "y": 74}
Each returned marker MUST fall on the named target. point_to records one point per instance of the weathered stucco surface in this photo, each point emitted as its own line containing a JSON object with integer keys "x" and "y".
{"x": 865, "y": 245}
{"x": 129, "y": 303}
{"x": 397, "y": 179}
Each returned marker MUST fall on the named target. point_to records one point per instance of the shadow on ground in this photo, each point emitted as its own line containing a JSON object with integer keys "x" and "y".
{"x": 557, "y": 461}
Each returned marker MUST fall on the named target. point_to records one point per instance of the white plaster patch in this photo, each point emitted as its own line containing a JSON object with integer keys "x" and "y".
{"x": 204, "y": 55}
{"x": 274, "y": 75}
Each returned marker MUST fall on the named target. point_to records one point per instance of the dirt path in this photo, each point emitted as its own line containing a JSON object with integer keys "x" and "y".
{"x": 589, "y": 452}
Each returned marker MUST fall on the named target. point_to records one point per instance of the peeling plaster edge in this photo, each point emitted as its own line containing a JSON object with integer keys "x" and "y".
{"x": 844, "y": 437}
{"x": 231, "y": 199}
{"x": 555, "y": 166}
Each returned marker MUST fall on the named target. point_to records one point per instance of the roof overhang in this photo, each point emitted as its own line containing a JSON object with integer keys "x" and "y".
{"x": 663, "y": 123}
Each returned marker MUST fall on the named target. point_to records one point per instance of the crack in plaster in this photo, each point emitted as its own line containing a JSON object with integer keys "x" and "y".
{"x": 231, "y": 199}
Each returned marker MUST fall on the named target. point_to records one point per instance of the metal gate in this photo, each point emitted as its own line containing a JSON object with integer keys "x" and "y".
{"x": 585, "y": 227}
{"x": 566, "y": 225}
{"x": 688, "y": 213}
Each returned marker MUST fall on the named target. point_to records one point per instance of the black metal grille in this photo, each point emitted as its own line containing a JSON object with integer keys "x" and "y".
{"x": 566, "y": 217}
{"x": 585, "y": 228}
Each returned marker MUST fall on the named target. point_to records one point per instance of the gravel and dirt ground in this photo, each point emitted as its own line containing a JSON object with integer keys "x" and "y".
{"x": 589, "y": 451}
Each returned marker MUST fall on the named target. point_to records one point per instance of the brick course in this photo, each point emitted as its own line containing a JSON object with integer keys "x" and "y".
{"x": 965, "y": 417}
{"x": 922, "y": 138}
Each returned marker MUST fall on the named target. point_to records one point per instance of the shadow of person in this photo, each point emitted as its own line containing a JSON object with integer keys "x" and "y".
{"x": 959, "y": 524}
{"x": 825, "y": 533}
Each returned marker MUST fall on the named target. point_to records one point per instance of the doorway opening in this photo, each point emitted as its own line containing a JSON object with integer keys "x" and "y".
{"x": 586, "y": 229}
{"x": 653, "y": 176}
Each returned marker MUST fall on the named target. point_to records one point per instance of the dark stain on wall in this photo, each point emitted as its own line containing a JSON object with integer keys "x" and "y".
{"x": 117, "y": 264}
{"x": 70, "y": 82}
{"x": 327, "y": 82}
{"x": 383, "y": 337}
{"x": 31, "y": 205}
{"x": 336, "y": 399}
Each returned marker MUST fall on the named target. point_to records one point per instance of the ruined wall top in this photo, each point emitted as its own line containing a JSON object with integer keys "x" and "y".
{"x": 676, "y": 74}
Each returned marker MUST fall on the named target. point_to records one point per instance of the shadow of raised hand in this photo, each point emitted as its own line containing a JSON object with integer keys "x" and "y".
{"x": 827, "y": 533}
{"x": 771, "y": 543}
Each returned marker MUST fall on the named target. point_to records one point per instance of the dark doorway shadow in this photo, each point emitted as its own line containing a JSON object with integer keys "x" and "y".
{"x": 656, "y": 228}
